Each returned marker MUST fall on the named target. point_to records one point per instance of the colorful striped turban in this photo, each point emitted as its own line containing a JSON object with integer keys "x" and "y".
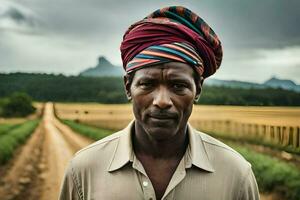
{"x": 172, "y": 34}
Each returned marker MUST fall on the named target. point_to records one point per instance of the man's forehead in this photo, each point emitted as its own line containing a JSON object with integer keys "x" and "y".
{"x": 171, "y": 70}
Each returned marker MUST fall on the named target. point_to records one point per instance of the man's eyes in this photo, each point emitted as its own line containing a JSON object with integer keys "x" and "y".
{"x": 146, "y": 84}
{"x": 179, "y": 85}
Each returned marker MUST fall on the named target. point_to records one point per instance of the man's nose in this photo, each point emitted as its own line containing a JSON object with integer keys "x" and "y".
{"x": 162, "y": 98}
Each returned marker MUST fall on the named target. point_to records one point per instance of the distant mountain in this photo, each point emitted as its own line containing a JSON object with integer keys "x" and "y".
{"x": 284, "y": 84}
{"x": 271, "y": 83}
{"x": 232, "y": 83}
{"x": 103, "y": 68}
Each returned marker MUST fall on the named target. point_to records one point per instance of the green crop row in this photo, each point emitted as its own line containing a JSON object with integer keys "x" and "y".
{"x": 14, "y": 138}
{"x": 272, "y": 175}
{"x": 91, "y": 132}
{"x": 5, "y": 128}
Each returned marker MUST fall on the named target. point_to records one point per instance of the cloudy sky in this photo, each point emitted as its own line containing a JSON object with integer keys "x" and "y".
{"x": 261, "y": 38}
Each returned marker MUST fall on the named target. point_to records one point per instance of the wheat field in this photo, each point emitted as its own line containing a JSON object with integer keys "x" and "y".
{"x": 280, "y": 125}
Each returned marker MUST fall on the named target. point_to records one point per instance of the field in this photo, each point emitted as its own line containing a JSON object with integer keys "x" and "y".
{"x": 278, "y": 126}
{"x": 282, "y": 116}
{"x": 52, "y": 144}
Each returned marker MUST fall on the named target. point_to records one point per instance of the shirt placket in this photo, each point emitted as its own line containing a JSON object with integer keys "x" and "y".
{"x": 177, "y": 177}
{"x": 147, "y": 187}
{"x": 149, "y": 193}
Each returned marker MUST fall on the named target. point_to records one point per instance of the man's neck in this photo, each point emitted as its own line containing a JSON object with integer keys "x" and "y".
{"x": 172, "y": 148}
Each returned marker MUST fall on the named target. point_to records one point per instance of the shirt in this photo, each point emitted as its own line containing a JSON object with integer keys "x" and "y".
{"x": 108, "y": 169}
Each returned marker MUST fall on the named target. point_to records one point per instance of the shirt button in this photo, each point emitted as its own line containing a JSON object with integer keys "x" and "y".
{"x": 145, "y": 183}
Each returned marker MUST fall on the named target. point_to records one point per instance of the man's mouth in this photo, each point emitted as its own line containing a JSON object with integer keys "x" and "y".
{"x": 163, "y": 116}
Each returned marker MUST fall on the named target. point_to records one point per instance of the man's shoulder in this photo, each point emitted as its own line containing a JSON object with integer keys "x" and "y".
{"x": 97, "y": 153}
{"x": 95, "y": 146}
{"x": 217, "y": 144}
{"x": 222, "y": 153}
{"x": 229, "y": 167}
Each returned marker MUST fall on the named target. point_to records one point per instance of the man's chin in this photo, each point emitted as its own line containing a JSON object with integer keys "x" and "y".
{"x": 161, "y": 133}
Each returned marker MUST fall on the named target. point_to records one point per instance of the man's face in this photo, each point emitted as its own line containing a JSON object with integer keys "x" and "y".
{"x": 162, "y": 98}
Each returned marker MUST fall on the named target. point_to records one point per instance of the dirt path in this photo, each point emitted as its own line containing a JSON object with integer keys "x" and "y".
{"x": 60, "y": 145}
{"x": 38, "y": 167}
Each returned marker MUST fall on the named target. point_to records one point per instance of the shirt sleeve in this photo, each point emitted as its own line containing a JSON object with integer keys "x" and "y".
{"x": 249, "y": 189}
{"x": 68, "y": 190}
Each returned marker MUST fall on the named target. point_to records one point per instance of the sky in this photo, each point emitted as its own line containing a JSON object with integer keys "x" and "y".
{"x": 260, "y": 38}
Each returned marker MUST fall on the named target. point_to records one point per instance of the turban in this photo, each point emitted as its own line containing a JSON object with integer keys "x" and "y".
{"x": 172, "y": 34}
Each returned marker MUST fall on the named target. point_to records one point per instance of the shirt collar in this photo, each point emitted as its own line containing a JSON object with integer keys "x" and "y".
{"x": 124, "y": 149}
{"x": 196, "y": 153}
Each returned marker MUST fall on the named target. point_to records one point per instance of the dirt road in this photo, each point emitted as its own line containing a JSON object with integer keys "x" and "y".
{"x": 60, "y": 145}
{"x": 37, "y": 170}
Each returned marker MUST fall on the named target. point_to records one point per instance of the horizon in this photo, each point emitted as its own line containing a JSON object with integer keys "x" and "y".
{"x": 68, "y": 37}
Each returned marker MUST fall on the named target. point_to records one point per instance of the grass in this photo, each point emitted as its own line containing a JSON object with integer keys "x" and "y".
{"x": 272, "y": 175}
{"x": 91, "y": 132}
{"x": 14, "y": 138}
{"x": 6, "y": 127}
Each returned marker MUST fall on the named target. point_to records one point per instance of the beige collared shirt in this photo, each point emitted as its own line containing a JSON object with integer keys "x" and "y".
{"x": 108, "y": 169}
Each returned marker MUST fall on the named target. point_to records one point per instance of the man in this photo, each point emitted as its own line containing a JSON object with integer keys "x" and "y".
{"x": 166, "y": 57}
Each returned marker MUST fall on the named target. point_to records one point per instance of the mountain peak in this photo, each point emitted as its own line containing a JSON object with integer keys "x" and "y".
{"x": 279, "y": 82}
{"x": 103, "y": 68}
{"x": 282, "y": 83}
{"x": 103, "y": 62}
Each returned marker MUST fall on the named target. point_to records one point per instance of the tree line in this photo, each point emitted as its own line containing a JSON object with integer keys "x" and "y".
{"x": 60, "y": 88}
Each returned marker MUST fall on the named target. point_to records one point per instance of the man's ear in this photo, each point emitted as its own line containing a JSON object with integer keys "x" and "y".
{"x": 198, "y": 89}
{"x": 127, "y": 84}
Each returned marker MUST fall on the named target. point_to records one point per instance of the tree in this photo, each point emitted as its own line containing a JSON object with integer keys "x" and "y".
{"x": 18, "y": 105}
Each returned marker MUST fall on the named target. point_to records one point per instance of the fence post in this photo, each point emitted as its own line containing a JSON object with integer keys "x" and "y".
{"x": 297, "y": 139}
{"x": 272, "y": 135}
{"x": 278, "y": 135}
{"x": 291, "y": 136}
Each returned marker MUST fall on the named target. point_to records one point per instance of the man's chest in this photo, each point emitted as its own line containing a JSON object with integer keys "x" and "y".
{"x": 131, "y": 184}
{"x": 160, "y": 174}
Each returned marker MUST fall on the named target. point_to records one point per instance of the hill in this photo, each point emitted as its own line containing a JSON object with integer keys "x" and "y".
{"x": 284, "y": 84}
{"x": 271, "y": 83}
{"x": 103, "y": 69}
{"x": 233, "y": 84}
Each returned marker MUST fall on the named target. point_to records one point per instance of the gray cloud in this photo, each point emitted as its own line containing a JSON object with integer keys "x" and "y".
{"x": 17, "y": 18}
{"x": 15, "y": 14}
{"x": 260, "y": 64}
{"x": 74, "y": 32}
{"x": 241, "y": 24}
